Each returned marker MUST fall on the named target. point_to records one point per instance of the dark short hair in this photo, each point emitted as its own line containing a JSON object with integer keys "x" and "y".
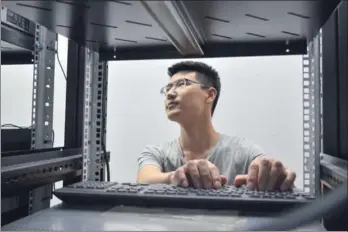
{"x": 205, "y": 74}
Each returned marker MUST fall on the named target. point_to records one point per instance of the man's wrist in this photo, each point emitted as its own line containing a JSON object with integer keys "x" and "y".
{"x": 169, "y": 177}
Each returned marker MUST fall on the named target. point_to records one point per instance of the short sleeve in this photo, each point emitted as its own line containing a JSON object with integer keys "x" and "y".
{"x": 255, "y": 151}
{"x": 251, "y": 151}
{"x": 150, "y": 155}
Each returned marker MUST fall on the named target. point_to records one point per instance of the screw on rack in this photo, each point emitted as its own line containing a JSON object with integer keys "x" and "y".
{"x": 38, "y": 46}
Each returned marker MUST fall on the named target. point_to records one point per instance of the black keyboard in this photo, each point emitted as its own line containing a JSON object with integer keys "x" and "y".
{"x": 162, "y": 195}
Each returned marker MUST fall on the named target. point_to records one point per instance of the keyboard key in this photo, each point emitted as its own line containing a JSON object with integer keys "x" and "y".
{"x": 183, "y": 193}
{"x": 235, "y": 195}
{"x": 171, "y": 192}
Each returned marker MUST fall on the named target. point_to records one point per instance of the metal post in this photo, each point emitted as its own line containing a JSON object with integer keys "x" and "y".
{"x": 0, "y": 103}
{"x": 42, "y": 106}
{"x": 93, "y": 152}
{"x": 102, "y": 113}
{"x": 312, "y": 117}
{"x": 74, "y": 96}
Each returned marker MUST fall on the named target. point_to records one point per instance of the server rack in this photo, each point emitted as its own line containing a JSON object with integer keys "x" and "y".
{"x": 84, "y": 156}
{"x": 32, "y": 173}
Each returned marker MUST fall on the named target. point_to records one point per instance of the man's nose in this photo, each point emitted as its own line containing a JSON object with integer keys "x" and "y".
{"x": 171, "y": 94}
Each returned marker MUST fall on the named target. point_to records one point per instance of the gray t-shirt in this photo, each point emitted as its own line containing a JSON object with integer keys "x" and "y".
{"x": 231, "y": 155}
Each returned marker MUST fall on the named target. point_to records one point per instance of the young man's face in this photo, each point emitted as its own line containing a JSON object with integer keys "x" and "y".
{"x": 185, "y": 97}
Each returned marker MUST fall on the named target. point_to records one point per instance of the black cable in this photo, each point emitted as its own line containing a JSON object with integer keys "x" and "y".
{"x": 106, "y": 161}
{"x": 53, "y": 137}
{"x": 15, "y": 126}
{"x": 60, "y": 64}
{"x": 303, "y": 215}
{"x": 103, "y": 139}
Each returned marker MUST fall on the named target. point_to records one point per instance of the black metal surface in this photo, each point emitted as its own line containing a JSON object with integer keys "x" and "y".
{"x": 116, "y": 25}
{"x": 333, "y": 170}
{"x": 336, "y": 220}
{"x": 335, "y": 83}
{"x": 16, "y": 58}
{"x": 36, "y": 169}
{"x": 15, "y": 214}
{"x": 342, "y": 26}
{"x": 23, "y": 41}
{"x": 210, "y": 50}
{"x": 74, "y": 96}
{"x": 74, "y": 109}
{"x": 331, "y": 138}
{"x": 15, "y": 139}
{"x": 16, "y": 37}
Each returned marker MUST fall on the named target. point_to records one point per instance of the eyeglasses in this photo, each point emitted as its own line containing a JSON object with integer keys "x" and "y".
{"x": 181, "y": 83}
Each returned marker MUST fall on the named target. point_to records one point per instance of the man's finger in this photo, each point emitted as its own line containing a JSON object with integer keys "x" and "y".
{"x": 223, "y": 180}
{"x": 204, "y": 173}
{"x": 194, "y": 175}
{"x": 253, "y": 176}
{"x": 264, "y": 173}
{"x": 277, "y": 171}
{"x": 180, "y": 178}
{"x": 215, "y": 176}
{"x": 289, "y": 180}
{"x": 240, "y": 180}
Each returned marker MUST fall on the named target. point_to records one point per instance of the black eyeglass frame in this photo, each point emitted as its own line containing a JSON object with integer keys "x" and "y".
{"x": 165, "y": 89}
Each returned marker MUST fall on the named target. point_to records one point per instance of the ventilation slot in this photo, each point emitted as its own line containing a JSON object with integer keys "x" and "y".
{"x": 299, "y": 15}
{"x": 102, "y": 25}
{"x": 94, "y": 41}
{"x": 64, "y": 26}
{"x": 126, "y": 40}
{"x": 156, "y": 39}
{"x": 34, "y": 7}
{"x": 222, "y": 36}
{"x": 120, "y": 2}
{"x": 138, "y": 23}
{"x": 7, "y": 48}
{"x": 256, "y": 17}
{"x": 217, "y": 19}
{"x": 72, "y": 3}
{"x": 290, "y": 33}
{"x": 256, "y": 35}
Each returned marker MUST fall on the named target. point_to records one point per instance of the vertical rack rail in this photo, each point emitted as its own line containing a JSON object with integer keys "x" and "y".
{"x": 42, "y": 107}
{"x": 102, "y": 113}
{"x": 94, "y": 117}
{"x": 312, "y": 117}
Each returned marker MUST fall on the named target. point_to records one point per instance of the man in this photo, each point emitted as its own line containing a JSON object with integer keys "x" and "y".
{"x": 201, "y": 157}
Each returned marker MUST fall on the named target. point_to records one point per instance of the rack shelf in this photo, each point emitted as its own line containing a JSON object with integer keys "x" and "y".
{"x": 127, "y": 30}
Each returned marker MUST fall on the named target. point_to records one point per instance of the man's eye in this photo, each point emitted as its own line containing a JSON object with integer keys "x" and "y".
{"x": 181, "y": 83}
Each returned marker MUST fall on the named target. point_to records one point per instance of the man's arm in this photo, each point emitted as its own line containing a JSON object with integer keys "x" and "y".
{"x": 150, "y": 167}
{"x": 152, "y": 174}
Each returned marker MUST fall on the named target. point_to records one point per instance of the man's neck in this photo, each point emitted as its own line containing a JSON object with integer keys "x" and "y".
{"x": 198, "y": 137}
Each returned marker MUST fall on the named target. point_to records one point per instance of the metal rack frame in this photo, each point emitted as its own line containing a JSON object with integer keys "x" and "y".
{"x": 33, "y": 173}
{"x": 312, "y": 116}
{"x": 83, "y": 156}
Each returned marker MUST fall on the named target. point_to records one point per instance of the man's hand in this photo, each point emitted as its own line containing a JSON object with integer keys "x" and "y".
{"x": 267, "y": 174}
{"x": 199, "y": 174}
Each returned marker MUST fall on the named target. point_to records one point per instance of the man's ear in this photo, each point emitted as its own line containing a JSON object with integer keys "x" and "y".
{"x": 211, "y": 95}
